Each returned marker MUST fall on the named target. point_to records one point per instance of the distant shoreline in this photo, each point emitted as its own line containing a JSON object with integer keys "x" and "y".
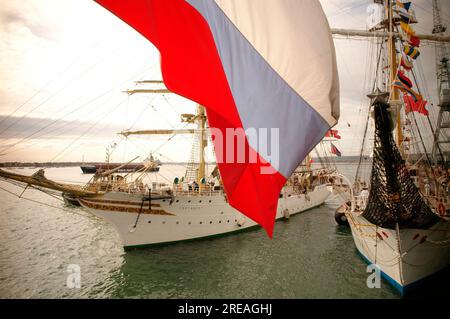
{"x": 65, "y": 164}
{"x": 339, "y": 160}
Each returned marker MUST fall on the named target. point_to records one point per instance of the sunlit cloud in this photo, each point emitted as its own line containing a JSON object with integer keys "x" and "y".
{"x": 69, "y": 61}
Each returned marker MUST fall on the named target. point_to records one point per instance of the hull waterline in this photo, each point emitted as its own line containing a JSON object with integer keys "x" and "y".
{"x": 406, "y": 257}
{"x": 185, "y": 217}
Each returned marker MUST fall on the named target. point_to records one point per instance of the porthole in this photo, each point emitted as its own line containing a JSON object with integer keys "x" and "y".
{"x": 164, "y": 222}
{"x": 164, "y": 200}
{"x": 210, "y": 222}
{"x": 189, "y": 223}
{"x": 178, "y": 223}
{"x": 149, "y": 221}
{"x": 201, "y": 223}
{"x": 177, "y": 201}
{"x": 220, "y": 222}
{"x": 228, "y": 221}
{"x": 200, "y": 201}
{"x": 189, "y": 201}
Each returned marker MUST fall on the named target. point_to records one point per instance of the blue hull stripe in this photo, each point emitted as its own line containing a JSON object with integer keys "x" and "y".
{"x": 400, "y": 289}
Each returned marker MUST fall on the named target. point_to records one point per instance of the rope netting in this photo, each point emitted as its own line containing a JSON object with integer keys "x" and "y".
{"x": 394, "y": 198}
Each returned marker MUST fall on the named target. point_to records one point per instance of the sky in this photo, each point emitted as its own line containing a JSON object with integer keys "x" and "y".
{"x": 64, "y": 65}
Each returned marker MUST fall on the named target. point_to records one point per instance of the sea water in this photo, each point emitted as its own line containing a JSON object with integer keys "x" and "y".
{"x": 45, "y": 249}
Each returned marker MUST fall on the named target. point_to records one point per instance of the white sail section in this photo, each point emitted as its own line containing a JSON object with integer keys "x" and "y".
{"x": 309, "y": 65}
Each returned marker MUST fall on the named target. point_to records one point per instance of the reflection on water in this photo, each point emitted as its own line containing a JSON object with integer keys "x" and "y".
{"x": 309, "y": 257}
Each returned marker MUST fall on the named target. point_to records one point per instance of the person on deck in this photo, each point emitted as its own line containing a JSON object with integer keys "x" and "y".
{"x": 427, "y": 188}
{"x": 364, "y": 195}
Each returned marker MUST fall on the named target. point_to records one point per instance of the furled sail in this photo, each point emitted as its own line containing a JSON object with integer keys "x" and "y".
{"x": 39, "y": 179}
{"x": 255, "y": 65}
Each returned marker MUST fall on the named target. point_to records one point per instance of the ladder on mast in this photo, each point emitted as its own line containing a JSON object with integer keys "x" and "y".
{"x": 442, "y": 68}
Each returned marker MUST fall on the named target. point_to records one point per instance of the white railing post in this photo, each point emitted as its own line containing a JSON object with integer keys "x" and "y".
{"x": 352, "y": 197}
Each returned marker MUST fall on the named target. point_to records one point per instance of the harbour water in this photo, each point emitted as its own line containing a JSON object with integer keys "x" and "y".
{"x": 309, "y": 257}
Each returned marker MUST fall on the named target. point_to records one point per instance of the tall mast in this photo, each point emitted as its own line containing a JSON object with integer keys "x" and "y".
{"x": 442, "y": 69}
{"x": 441, "y": 50}
{"x": 394, "y": 100}
{"x": 201, "y": 122}
{"x": 199, "y": 118}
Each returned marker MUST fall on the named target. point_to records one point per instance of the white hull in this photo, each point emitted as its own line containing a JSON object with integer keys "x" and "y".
{"x": 187, "y": 217}
{"x": 405, "y": 257}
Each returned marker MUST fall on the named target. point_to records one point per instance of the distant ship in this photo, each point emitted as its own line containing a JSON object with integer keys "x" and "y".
{"x": 124, "y": 168}
{"x": 149, "y": 165}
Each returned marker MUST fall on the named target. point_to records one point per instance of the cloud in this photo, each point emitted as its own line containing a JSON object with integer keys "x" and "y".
{"x": 17, "y": 15}
{"x": 41, "y": 38}
{"x": 47, "y": 128}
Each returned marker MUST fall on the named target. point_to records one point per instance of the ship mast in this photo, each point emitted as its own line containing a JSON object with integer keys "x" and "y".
{"x": 386, "y": 29}
{"x": 393, "y": 63}
{"x": 442, "y": 68}
{"x": 198, "y": 118}
{"x": 201, "y": 121}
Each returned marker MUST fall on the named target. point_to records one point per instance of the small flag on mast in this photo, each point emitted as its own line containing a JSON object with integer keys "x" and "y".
{"x": 406, "y": 63}
{"x": 406, "y": 17}
{"x": 333, "y": 133}
{"x": 413, "y": 41}
{"x": 407, "y": 28}
{"x": 415, "y": 106}
{"x": 399, "y": 85}
{"x": 335, "y": 151}
{"x": 404, "y": 79}
{"x": 411, "y": 51}
{"x": 403, "y": 5}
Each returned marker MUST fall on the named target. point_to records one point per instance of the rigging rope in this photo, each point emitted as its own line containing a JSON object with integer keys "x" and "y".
{"x": 79, "y": 76}
{"x": 41, "y": 203}
{"x": 48, "y": 84}
{"x": 88, "y": 130}
{"x": 367, "y": 120}
{"x": 5, "y": 151}
{"x": 394, "y": 198}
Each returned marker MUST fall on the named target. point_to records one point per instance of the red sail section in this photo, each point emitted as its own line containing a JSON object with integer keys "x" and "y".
{"x": 191, "y": 67}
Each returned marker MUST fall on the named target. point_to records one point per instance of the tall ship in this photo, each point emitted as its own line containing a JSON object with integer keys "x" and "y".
{"x": 195, "y": 206}
{"x": 275, "y": 87}
{"x": 400, "y": 220}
